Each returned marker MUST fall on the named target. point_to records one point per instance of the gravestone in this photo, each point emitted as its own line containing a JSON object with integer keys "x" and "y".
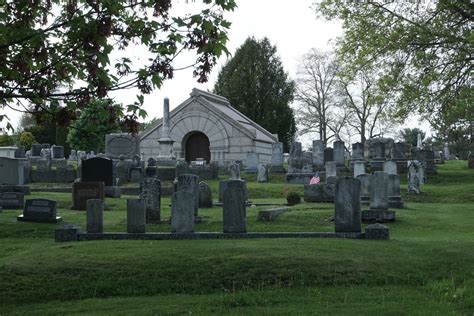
{"x": 321, "y": 192}
{"x": 11, "y": 171}
{"x": 73, "y": 155}
{"x": 57, "y": 152}
{"x": 98, "y": 169}
{"x": 151, "y": 195}
{"x": 182, "y": 167}
{"x": 12, "y": 200}
{"x": 95, "y": 216}
{"x": 347, "y": 216}
{"x": 364, "y": 187}
{"x": 36, "y": 149}
{"x": 294, "y": 161}
{"x": 307, "y": 162}
{"x": 120, "y": 171}
{"x": 83, "y": 191}
{"x": 277, "y": 158}
{"x": 271, "y": 214}
{"x": 190, "y": 183}
{"x": 234, "y": 171}
{"x": 182, "y": 212}
{"x": 338, "y": 153}
{"x": 328, "y": 155}
{"x": 126, "y": 145}
{"x": 393, "y": 191}
{"x": 135, "y": 170}
{"x": 251, "y": 163}
{"x": 357, "y": 154}
{"x": 234, "y": 207}
{"x": 359, "y": 168}
{"x": 399, "y": 155}
{"x": 331, "y": 169}
{"x": 39, "y": 210}
{"x": 20, "y": 152}
{"x": 262, "y": 175}
{"x": 378, "y": 211}
{"x": 136, "y": 217}
{"x": 379, "y": 156}
{"x": 318, "y": 155}
{"x": 377, "y": 232}
{"x": 390, "y": 167}
{"x": 413, "y": 177}
{"x": 151, "y": 171}
{"x": 205, "y": 195}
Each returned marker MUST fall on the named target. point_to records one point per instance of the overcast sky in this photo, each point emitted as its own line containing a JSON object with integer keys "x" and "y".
{"x": 290, "y": 25}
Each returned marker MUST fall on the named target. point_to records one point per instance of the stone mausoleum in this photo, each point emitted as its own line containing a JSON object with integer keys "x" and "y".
{"x": 207, "y": 126}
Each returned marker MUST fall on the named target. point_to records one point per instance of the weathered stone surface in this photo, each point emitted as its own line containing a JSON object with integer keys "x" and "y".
{"x": 320, "y": 193}
{"x": 359, "y": 168}
{"x": 20, "y": 152}
{"x": 234, "y": 207}
{"x": 113, "y": 192}
{"x": 67, "y": 233}
{"x": 328, "y": 155}
{"x": 390, "y": 167}
{"x": 57, "y": 152}
{"x": 307, "y": 162}
{"x": 126, "y": 145}
{"x": 393, "y": 191}
{"x": 98, "y": 169}
{"x": 205, "y": 195}
{"x": 151, "y": 194}
{"x": 379, "y": 156}
{"x": 190, "y": 183}
{"x": 377, "y": 232}
{"x": 347, "y": 205}
{"x": 331, "y": 169}
{"x": 182, "y": 167}
{"x": 379, "y": 191}
{"x": 39, "y": 210}
{"x": 271, "y": 214}
{"x": 12, "y": 200}
{"x": 298, "y": 178}
{"x": 25, "y": 189}
{"x": 338, "y": 152}
{"x": 182, "y": 212}
{"x": 136, "y": 216}
{"x": 83, "y": 191}
{"x": 294, "y": 161}
{"x": 364, "y": 187}
{"x": 234, "y": 171}
{"x": 277, "y": 156}
{"x": 318, "y": 155}
{"x": 11, "y": 171}
{"x": 358, "y": 151}
{"x": 223, "y": 187}
{"x": 95, "y": 216}
{"x": 251, "y": 163}
{"x": 414, "y": 177}
{"x": 262, "y": 175}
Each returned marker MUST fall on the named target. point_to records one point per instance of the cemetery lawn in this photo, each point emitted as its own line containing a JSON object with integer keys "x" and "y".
{"x": 427, "y": 268}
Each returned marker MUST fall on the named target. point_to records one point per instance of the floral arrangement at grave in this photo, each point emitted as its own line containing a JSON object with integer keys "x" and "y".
{"x": 292, "y": 197}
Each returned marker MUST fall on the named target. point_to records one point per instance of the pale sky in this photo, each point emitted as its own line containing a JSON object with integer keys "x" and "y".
{"x": 291, "y": 26}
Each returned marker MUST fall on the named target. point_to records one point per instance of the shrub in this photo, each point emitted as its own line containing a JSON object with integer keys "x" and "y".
{"x": 6, "y": 140}
{"x": 26, "y": 140}
{"x": 292, "y": 197}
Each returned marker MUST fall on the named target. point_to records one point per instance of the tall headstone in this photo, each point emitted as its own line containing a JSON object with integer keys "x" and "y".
{"x": 359, "y": 168}
{"x": 447, "y": 155}
{"x": 205, "y": 195}
{"x": 318, "y": 155}
{"x": 307, "y": 162}
{"x": 357, "y": 154}
{"x": 251, "y": 163}
{"x": 399, "y": 155}
{"x": 262, "y": 173}
{"x": 331, "y": 169}
{"x": 338, "y": 150}
{"x": 182, "y": 212}
{"x": 277, "y": 158}
{"x": 136, "y": 216}
{"x": 378, "y": 211}
{"x": 151, "y": 171}
{"x": 190, "y": 183}
{"x": 347, "y": 216}
{"x": 98, "y": 169}
{"x": 364, "y": 187}
{"x": 294, "y": 162}
{"x": 120, "y": 171}
{"x": 151, "y": 195}
{"x": 390, "y": 167}
{"x": 234, "y": 207}
{"x": 11, "y": 171}
{"x": 393, "y": 191}
{"x": 379, "y": 156}
{"x": 95, "y": 216}
{"x": 328, "y": 154}
{"x": 413, "y": 177}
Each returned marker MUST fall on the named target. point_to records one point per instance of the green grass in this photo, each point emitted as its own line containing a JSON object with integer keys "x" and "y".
{"x": 427, "y": 268}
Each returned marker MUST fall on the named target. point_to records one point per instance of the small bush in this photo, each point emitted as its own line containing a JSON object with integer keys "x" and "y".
{"x": 293, "y": 198}
{"x": 27, "y": 139}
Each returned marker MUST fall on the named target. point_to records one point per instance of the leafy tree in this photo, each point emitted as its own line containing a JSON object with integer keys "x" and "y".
{"x": 315, "y": 94}
{"x": 53, "y": 50}
{"x": 425, "y": 49}
{"x": 97, "y": 119}
{"x": 26, "y": 140}
{"x": 410, "y": 135}
{"x": 256, "y": 84}
{"x": 6, "y": 140}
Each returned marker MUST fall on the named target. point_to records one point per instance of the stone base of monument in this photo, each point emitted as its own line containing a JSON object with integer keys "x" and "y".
{"x": 112, "y": 191}
{"x": 377, "y": 164}
{"x": 25, "y": 189}
{"x": 165, "y": 162}
{"x": 277, "y": 169}
{"x": 380, "y": 216}
{"x": 22, "y": 218}
{"x": 271, "y": 214}
{"x": 321, "y": 192}
{"x": 395, "y": 202}
{"x": 298, "y": 178}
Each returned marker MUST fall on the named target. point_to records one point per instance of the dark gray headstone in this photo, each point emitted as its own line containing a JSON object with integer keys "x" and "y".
{"x": 234, "y": 207}
{"x": 347, "y": 205}
{"x": 12, "y": 200}
{"x": 379, "y": 150}
{"x": 294, "y": 161}
{"x": 378, "y": 191}
{"x": 190, "y": 183}
{"x": 377, "y": 232}
{"x": 357, "y": 151}
{"x": 95, "y": 216}
{"x": 338, "y": 152}
{"x": 331, "y": 169}
{"x": 98, "y": 169}
{"x": 318, "y": 155}
{"x": 57, "y": 152}
{"x": 136, "y": 218}
{"x": 182, "y": 212}
{"x": 151, "y": 194}
{"x": 182, "y": 167}
{"x": 205, "y": 195}
{"x": 39, "y": 210}
{"x": 11, "y": 171}
{"x": 364, "y": 187}
{"x": 20, "y": 152}
{"x": 328, "y": 154}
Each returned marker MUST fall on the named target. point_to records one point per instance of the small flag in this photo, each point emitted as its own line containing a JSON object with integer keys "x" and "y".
{"x": 315, "y": 179}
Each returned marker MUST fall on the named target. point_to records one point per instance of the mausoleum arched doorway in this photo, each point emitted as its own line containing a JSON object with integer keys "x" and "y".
{"x": 196, "y": 145}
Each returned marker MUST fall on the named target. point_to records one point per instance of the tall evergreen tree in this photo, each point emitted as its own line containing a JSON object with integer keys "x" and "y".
{"x": 256, "y": 84}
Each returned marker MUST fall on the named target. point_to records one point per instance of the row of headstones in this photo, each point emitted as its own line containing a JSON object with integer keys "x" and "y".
{"x": 34, "y": 210}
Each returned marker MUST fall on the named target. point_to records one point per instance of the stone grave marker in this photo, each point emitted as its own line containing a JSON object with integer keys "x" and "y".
{"x": 413, "y": 177}
{"x": 39, "y": 210}
{"x": 338, "y": 152}
{"x": 182, "y": 167}
{"x": 262, "y": 175}
{"x": 95, "y": 216}
{"x": 98, "y": 169}
{"x": 331, "y": 169}
{"x": 347, "y": 216}
{"x": 234, "y": 207}
{"x": 307, "y": 162}
{"x": 390, "y": 167}
{"x": 205, "y": 195}
{"x": 318, "y": 155}
{"x": 57, "y": 152}
{"x": 251, "y": 163}
{"x": 136, "y": 217}
{"x": 234, "y": 171}
{"x": 328, "y": 154}
{"x": 126, "y": 145}
{"x": 190, "y": 183}
{"x": 378, "y": 211}
{"x": 182, "y": 212}
{"x": 393, "y": 191}
{"x": 359, "y": 168}
{"x": 11, "y": 171}
{"x": 151, "y": 194}
{"x": 277, "y": 158}
{"x": 364, "y": 187}
{"x": 83, "y": 191}
{"x": 12, "y": 200}
{"x": 294, "y": 161}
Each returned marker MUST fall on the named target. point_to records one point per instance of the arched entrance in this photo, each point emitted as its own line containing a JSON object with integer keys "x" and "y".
{"x": 197, "y": 146}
